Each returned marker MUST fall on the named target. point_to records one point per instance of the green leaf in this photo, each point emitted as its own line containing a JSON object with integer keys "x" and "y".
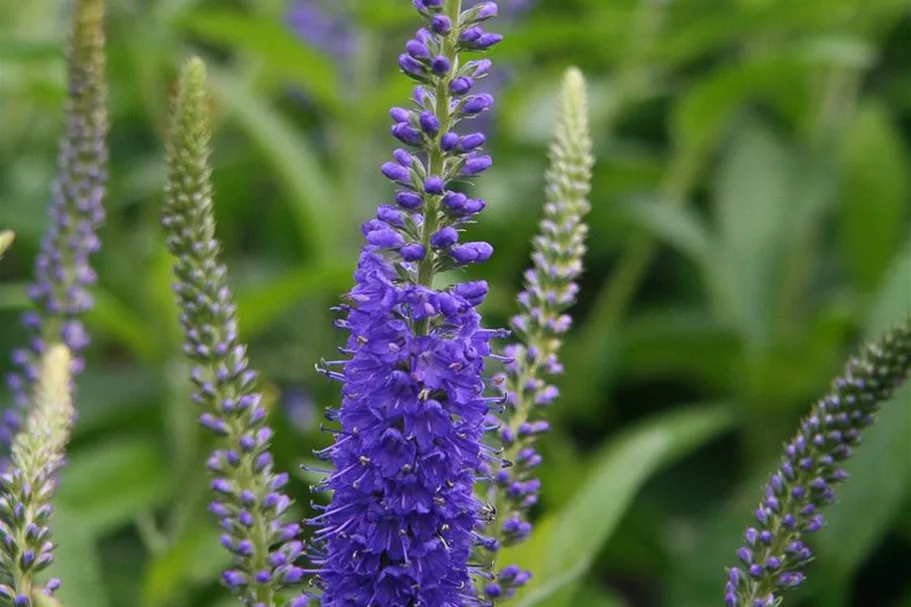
{"x": 285, "y": 54}
{"x": 297, "y": 164}
{"x": 569, "y": 543}
{"x": 593, "y": 596}
{"x": 874, "y": 198}
{"x": 76, "y": 561}
{"x": 258, "y": 308}
{"x": 196, "y": 558}
{"x": 678, "y": 226}
{"x": 108, "y": 485}
{"x": 754, "y": 208}
{"x": 703, "y": 114}
{"x": 114, "y": 320}
{"x": 13, "y": 296}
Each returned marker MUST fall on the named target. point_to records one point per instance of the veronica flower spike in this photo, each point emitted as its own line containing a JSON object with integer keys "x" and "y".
{"x": 62, "y": 270}
{"x": 402, "y": 521}
{"x": 28, "y": 484}
{"x": 550, "y": 289}
{"x": 249, "y": 503}
{"x": 774, "y": 553}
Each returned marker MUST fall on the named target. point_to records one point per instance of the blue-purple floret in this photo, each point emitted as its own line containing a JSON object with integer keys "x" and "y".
{"x": 774, "y": 553}
{"x": 403, "y": 520}
{"x": 63, "y": 273}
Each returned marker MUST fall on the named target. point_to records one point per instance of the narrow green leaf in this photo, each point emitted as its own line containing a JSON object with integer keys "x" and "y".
{"x": 580, "y": 530}
{"x": 76, "y": 562}
{"x": 593, "y": 596}
{"x": 108, "y": 485}
{"x": 703, "y": 114}
{"x": 678, "y": 226}
{"x": 753, "y": 204}
{"x": 13, "y": 296}
{"x": 309, "y": 191}
{"x": 113, "y": 319}
{"x": 874, "y": 198}
{"x": 195, "y": 558}
{"x": 259, "y": 307}
{"x": 284, "y": 53}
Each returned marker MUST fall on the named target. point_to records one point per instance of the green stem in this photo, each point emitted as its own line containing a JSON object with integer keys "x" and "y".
{"x": 436, "y": 158}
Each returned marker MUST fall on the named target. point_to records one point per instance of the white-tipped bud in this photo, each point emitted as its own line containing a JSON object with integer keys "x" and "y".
{"x": 6, "y": 239}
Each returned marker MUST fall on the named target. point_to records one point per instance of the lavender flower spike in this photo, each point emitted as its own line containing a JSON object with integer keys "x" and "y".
{"x": 62, "y": 270}
{"x": 403, "y": 520}
{"x": 550, "y": 289}
{"x": 774, "y": 552}
{"x": 249, "y": 503}
{"x": 28, "y": 485}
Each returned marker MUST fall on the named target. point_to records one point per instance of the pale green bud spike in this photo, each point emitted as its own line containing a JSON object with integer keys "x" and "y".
{"x": 262, "y": 543}
{"x": 28, "y": 485}
{"x": 569, "y": 177}
{"x": 550, "y": 289}
{"x": 6, "y": 240}
{"x": 47, "y": 429}
{"x": 189, "y": 188}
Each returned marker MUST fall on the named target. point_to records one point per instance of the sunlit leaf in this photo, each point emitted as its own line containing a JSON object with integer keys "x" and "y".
{"x": 579, "y": 531}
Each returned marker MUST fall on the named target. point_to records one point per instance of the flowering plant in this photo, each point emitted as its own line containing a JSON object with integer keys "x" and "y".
{"x": 426, "y": 488}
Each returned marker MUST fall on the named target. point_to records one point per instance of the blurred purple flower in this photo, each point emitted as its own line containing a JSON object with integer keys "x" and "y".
{"x": 322, "y": 28}
{"x": 63, "y": 273}
{"x": 299, "y": 408}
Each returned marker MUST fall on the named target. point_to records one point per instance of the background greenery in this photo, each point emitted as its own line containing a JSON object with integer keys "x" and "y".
{"x": 750, "y": 225}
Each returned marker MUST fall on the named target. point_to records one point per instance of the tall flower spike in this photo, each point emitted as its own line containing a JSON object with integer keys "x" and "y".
{"x": 550, "y": 289}
{"x": 28, "y": 484}
{"x": 402, "y": 520}
{"x": 249, "y": 503}
{"x": 774, "y": 552}
{"x": 62, "y": 270}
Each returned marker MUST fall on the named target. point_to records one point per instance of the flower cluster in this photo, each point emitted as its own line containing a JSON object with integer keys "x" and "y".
{"x": 62, "y": 270}
{"x": 550, "y": 288}
{"x": 774, "y": 551}
{"x": 28, "y": 484}
{"x": 403, "y": 520}
{"x": 249, "y": 501}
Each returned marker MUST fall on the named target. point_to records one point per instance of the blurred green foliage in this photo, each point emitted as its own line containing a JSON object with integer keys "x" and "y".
{"x": 751, "y": 222}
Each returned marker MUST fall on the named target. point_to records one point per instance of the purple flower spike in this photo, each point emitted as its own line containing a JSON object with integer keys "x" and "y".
{"x": 403, "y": 521}
{"x": 246, "y": 491}
{"x": 550, "y": 288}
{"x": 63, "y": 275}
{"x": 774, "y": 551}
